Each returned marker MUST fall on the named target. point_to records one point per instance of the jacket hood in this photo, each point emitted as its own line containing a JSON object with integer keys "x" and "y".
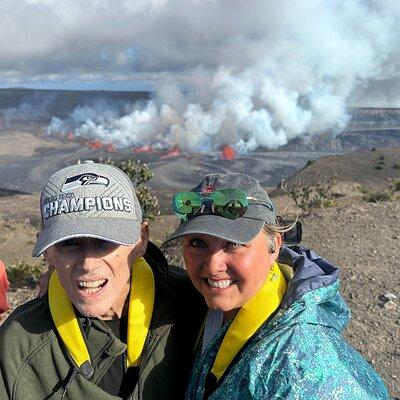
{"x": 313, "y": 291}
{"x": 310, "y": 272}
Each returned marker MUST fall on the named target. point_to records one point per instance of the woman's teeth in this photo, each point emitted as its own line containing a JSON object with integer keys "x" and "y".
{"x": 92, "y": 286}
{"x": 220, "y": 284}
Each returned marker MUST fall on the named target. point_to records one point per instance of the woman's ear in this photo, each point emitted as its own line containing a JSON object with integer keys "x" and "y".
{"x": 278, "y": 241}
{"x": 275, "y": 244}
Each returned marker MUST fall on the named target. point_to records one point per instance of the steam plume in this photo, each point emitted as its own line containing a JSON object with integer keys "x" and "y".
{"x": 246, "y": 73}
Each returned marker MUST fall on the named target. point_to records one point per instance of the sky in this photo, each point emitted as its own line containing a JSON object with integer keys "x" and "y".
{"x": 128, "y": 43}
{"x": 217, "y": 67}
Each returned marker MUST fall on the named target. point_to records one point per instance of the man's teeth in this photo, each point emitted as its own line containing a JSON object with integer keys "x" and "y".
{"x": 220, "y": 284}
{"x": 92, "y": 286}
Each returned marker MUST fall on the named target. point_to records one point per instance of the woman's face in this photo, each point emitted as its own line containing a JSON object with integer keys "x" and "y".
{"x": 228, "y": 274}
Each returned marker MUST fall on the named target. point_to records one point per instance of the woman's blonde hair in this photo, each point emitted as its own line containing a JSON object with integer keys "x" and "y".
{"x": 272, "y": 230}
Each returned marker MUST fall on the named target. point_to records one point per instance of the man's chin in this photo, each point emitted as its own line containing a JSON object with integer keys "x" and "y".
{"x": 102, "y": 306}
{"x": 94, "y": 311}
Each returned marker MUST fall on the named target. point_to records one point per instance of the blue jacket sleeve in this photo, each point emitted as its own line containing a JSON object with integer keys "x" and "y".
{"x": 316, "y": 363}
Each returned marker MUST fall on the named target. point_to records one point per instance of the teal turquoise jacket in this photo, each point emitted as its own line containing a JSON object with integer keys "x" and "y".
{"x": 299, "y": 353}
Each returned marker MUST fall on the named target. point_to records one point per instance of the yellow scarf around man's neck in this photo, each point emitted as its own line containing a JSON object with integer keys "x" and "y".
{"x": 140, "y": 310}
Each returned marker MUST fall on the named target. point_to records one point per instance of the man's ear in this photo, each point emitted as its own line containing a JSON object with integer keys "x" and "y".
{"x": 144, "y": 238}
{"x": 45, "y": 277}
{"x": 47, "y": 258}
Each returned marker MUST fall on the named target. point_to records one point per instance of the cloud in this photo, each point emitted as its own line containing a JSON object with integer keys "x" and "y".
{"x": 69, "y": 38}
{"x": 251, "y": 73}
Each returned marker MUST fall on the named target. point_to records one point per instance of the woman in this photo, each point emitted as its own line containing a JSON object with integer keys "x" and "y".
{"x": 273, "y": 330}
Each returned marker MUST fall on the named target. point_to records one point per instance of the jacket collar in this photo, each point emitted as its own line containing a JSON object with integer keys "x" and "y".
{"x": 310, "y": 272}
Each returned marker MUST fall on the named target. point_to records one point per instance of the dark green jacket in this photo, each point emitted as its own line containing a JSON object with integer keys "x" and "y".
{"x": 34, "y": 364}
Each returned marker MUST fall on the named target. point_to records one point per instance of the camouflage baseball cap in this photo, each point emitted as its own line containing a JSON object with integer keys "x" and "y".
{"x": 88, "y": 200}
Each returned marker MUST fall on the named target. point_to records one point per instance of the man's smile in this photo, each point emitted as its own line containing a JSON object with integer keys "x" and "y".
{"x": 92, "y": 287}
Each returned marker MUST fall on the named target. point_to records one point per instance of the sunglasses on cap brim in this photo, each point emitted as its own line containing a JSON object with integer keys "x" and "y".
{"x": 229, "y": 203}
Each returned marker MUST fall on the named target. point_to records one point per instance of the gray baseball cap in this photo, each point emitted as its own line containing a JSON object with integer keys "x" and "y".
{"x": 88, "y": 200}
{"x": 260, "y": 210}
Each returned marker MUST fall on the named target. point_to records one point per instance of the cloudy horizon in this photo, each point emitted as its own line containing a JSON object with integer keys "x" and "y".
{"x": 253, "y": 72}
{"x": 140, "y": 43}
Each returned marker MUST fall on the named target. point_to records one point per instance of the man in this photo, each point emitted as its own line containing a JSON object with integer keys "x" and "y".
{"x": 112, "y": 323}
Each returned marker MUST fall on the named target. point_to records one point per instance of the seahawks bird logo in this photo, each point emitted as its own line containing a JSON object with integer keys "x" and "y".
{"x": 84, "y": 180}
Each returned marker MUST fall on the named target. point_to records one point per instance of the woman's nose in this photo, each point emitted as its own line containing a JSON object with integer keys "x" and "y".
{"x": 216, "y": 262}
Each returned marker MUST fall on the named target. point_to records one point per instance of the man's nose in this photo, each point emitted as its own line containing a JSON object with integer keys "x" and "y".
{"x": 216, "y": 262}
{"x": 89, "y": 258}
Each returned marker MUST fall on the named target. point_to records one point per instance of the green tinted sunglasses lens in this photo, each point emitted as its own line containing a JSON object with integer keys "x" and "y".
{"x": 185, "y": 203}
{"x": 232, "y": 210}
{"x": 230, "y": 203}
{"x": 224, "y": 196}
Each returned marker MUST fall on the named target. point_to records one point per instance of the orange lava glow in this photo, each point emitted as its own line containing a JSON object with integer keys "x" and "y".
{"x": 227, "y": 153}
{"x": 174, "y": 152}
{"x": 142, "y": 149}
{"x": 95, "y": 144}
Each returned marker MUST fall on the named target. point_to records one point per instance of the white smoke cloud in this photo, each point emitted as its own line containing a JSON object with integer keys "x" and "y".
{"x": 249, "y": 73}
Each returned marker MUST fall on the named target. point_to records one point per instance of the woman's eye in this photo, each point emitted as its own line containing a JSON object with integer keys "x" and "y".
{"x": 232, "y": 245}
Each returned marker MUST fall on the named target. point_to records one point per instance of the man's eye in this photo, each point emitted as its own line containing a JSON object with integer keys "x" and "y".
{"x": 197, "y": 243}
{"x": 103, "y": 244}
{"x": 68, "y": 243}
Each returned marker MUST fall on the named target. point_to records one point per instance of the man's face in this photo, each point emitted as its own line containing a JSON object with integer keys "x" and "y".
{"x": 227, "y": 274}
{"x": 96, "y": 273}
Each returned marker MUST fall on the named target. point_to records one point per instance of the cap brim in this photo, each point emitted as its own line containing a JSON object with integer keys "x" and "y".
{"x": 240, "y": 230}
{"x": 121, "y": 231}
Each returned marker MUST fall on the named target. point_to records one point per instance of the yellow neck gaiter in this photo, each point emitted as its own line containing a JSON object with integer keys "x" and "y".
{"x": 249, "y": 319}
{"x": 140, "y": 310}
